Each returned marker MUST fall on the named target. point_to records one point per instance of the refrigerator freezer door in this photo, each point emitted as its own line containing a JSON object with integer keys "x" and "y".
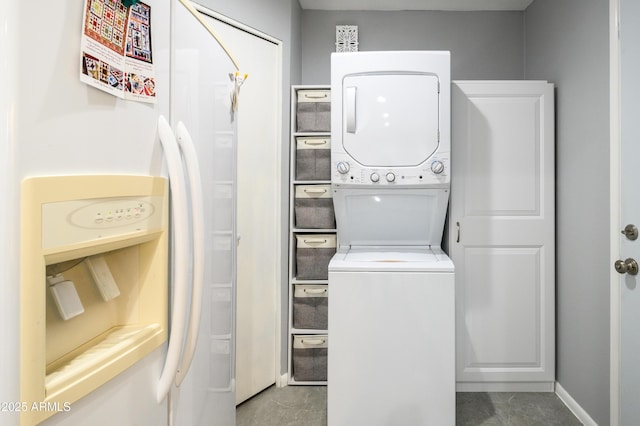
{"x": 205, "y": 394}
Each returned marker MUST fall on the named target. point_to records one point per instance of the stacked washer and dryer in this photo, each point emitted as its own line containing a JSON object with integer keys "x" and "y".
{"x": 391, "y": 299}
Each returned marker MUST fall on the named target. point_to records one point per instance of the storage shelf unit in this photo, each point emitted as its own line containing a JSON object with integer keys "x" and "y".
{"x": 315, "y": 336}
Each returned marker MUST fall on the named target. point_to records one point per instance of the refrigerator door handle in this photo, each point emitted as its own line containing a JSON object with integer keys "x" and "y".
{"x": 197, "y": 211}
{"x": 180, "y": 237}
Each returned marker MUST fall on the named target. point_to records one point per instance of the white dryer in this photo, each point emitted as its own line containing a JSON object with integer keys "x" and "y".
{"x": 391, "y": 358}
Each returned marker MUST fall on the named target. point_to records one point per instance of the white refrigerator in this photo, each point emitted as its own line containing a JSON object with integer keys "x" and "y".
{"x": 52, "y": 124}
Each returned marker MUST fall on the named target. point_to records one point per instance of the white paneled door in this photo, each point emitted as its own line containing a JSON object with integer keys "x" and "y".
{"x": 258, "y": 205}
{"x": 502, "y": 234}
{"x": 625, "y": 287}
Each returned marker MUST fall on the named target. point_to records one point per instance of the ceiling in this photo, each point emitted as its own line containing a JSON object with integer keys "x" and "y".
{"x": 415, "y": 4}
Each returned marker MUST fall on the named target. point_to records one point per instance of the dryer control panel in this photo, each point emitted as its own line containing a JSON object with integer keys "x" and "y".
{"x": 435, "y": 170}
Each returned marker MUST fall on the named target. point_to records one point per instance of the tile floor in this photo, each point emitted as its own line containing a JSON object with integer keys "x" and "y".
{"x": 306, "y": 406}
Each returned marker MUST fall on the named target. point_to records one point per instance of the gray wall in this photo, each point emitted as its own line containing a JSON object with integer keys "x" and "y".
{"x": 483, "y": 45}
{"x": 280, "y": 19}
{"x": 567, "y": 42}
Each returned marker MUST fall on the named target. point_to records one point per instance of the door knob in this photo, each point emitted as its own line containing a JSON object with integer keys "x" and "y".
{"x": 631, "y": 232}
{"x": 627, "y": 266}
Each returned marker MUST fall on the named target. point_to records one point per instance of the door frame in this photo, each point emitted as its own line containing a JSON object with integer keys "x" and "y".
{"x": 614, "y": 199}
{"x": 279, "y": 255}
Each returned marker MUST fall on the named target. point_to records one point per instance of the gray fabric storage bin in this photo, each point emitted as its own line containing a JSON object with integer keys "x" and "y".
{"x": 313, "y": 253}
{"x": 310, "y": 306}
{"x": 313, "y": 207}
{"x": 313, "y": 111}
{"x": 313, "y": 158}
{"x": 310, "y": 358}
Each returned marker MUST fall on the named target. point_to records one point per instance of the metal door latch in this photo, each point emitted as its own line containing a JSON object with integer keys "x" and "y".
{"x": 631, "y": 232}
{"x": 627, "y": 266}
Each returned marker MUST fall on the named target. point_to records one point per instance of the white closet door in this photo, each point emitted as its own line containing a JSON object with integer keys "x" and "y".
{"x": 502, "y": 234}
{"x": 258, "y": 208}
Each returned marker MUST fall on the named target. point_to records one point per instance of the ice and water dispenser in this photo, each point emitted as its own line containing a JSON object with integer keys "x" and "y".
{"x": 94, "y": 276}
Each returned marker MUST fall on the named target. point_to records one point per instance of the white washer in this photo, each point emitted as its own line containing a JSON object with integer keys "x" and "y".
{"x": 391, "y": 338}
{"x": 391, "y": 358}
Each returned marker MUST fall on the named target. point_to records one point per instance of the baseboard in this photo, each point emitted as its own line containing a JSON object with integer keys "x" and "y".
{"x": 575, "y": 408}
{"x": 505, "y": 386}
{"x": 282, "y": 381}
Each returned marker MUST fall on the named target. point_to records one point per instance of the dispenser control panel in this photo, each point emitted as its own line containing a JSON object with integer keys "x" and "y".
{"x": 111, "y": 213}
{"x": 77, "y": 221}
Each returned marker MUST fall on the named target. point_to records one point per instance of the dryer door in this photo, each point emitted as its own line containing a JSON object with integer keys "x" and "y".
{"x": 390, "y": 120}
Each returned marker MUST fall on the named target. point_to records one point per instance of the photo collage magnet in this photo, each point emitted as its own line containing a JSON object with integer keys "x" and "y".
{"x": 117, "y": 49}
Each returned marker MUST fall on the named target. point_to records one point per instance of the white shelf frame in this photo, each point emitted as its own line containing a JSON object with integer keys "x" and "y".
{"x": 293, "y": 231}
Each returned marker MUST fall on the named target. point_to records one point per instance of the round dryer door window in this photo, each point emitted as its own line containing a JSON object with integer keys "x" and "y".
{"x": 390, "y": 120}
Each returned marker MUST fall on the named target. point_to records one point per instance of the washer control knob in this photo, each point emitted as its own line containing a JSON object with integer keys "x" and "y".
{"x": 343, "y": 167}
{"x": 437, "y": 167}
{"x": 375, "y": 177}
{"x": 390, "y": 177}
